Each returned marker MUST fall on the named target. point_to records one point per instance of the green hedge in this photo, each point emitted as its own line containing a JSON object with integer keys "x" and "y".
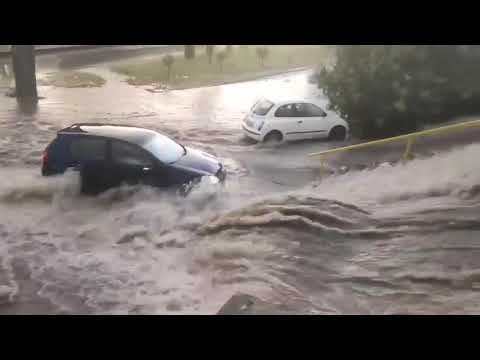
{"x": 387, "y": 90}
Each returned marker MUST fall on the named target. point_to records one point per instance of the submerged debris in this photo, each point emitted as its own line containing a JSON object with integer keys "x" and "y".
{"x": 174, "y": 305}
{"x": 159, "y": 88}
{"x": 6, "y": 293}
{"x": 12, "y": 92}
{"x": 243, "y": 304}
{"x": 133, "y": 234}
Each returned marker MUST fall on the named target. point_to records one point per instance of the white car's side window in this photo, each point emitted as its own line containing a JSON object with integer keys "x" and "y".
{"x": 310, "y": 110}
{"x": 285, "y": 111}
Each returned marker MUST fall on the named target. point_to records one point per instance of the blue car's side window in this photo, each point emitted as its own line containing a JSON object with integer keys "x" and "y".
{"x": 84, "y": 149}
{"x": 127, "y": 154}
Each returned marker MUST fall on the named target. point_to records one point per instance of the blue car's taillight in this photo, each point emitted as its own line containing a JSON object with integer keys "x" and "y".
{"x": 45, "y": 158}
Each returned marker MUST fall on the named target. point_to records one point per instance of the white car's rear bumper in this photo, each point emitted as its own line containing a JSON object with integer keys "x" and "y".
{"x": 252, "y": 133}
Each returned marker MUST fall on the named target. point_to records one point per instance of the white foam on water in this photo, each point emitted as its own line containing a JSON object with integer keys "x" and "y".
{"x": 129, "y": 250}
{"x": 138, "y": 250}
{"x": 445, "y": 174}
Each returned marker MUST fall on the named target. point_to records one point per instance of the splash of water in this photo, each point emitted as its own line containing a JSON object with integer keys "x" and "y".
{"x": 450, "y": 173}
{"x": 141, "y": 250}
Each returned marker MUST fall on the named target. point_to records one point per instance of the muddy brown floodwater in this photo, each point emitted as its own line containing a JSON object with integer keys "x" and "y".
{"x": 392, "y": 239}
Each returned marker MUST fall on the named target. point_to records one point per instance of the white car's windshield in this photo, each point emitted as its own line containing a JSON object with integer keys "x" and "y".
{"x": 164, "y": 149}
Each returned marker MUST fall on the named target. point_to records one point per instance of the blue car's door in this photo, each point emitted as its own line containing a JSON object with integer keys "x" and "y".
{"x": 133, "y": 165}
{"x": 97, "y": 176}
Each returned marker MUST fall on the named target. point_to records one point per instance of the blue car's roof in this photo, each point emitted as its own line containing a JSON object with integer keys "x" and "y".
{"x": 132, "y": 134}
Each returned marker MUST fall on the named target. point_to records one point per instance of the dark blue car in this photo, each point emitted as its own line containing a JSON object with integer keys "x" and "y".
{"x": 111, "y": 155}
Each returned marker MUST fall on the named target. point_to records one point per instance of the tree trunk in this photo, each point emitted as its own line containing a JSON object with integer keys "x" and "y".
{"x": 24, "y": 70}
{"x": 168, "y": 72}
{"x": 189, "y": 51}
{"x": 209, "y": 50}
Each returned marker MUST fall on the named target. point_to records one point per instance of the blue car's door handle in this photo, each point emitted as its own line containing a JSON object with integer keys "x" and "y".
{"x": 74, "y": 167}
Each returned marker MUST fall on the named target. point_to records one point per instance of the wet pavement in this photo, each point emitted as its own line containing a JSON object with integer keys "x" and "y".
{"x": 382, "y": 240}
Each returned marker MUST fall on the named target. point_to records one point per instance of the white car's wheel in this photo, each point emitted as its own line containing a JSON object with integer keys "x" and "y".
{"x": 338, "y": 133}
{"x": 273, "y": 137}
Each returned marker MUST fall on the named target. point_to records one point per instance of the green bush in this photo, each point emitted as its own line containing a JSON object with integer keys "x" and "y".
{"x": 387, "y": 90}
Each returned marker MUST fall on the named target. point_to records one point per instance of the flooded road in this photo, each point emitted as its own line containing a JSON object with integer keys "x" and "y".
{"x": 382, "y": 240}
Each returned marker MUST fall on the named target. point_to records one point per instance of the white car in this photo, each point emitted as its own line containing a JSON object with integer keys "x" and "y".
{"x": 288, "y": 120}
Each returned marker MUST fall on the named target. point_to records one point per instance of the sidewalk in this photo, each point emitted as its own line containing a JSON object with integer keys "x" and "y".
{"x": 79, "y": 48}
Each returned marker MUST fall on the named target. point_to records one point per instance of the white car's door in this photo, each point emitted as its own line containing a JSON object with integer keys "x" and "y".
{"x": 286, "y": 119}
{"x": 314, "y": 121}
